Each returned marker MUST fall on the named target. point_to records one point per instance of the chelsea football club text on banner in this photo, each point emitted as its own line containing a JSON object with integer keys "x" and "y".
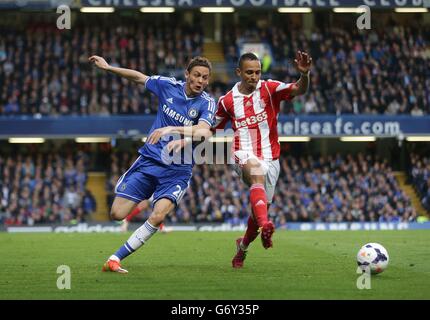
{"x": 333, "y": 126}
{"x": 135, "y": 126}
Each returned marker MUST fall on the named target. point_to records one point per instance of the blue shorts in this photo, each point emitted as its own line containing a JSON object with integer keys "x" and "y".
{"x": 147, "y": 177}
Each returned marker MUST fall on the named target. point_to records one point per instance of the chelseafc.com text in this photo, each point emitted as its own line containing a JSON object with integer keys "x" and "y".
{"x": 229, "y": 309}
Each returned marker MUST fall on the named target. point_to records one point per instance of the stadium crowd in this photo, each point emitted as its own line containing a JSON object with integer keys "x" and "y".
{"x": 44, "y": 188}
{"x": 419, "y": 176}
{"x": 51, "y": 188}
{"x": 381, "y": 71}
{"x": 46, "y": 72}
{"x": 320, "y": 189}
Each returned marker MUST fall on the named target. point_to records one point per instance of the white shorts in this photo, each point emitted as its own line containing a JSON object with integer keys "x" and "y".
{"x": 271, "y": 169}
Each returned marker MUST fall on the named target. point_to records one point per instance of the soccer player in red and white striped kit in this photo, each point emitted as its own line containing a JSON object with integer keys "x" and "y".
{"x": 253, "y": 106}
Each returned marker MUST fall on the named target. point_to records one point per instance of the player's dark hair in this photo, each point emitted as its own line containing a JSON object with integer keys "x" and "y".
{"x": 247, "y": 56}
{"x": 199, "y": 61}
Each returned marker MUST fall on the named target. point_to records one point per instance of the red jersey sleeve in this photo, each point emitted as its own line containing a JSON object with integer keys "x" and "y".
{"x": 281, "y": 90}
{"x": 221, "y": 116}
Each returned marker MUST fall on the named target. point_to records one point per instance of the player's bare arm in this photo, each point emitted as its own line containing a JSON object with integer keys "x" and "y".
{"x": 198, "y": 131}
{"x": 303, "y": 63}
{"x": 177, "y": 145}
{"x": 129, "y": 74}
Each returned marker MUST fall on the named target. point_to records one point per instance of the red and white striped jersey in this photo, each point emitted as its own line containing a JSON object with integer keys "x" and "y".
{"x": 254, "y": 117}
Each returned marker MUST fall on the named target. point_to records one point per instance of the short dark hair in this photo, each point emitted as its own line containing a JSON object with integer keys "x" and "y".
{"x": 199, "y": 61}
{"x": 247, "y": 56}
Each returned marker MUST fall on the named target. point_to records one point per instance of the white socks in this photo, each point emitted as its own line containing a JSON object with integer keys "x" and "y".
{"x": 141, "y": 235}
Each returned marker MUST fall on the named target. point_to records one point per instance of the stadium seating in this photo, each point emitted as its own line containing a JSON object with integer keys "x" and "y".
{"x": 51, "y": 188}
{"x": 322, "y": 189}
{"x": 384, "y": 71}
{"x": 341, "y": 188}
{"x": 44, "y": 188}
{"x": 419, "y": 175}
{"x": 378, "y": 72}
{"x": 43, "y": 72}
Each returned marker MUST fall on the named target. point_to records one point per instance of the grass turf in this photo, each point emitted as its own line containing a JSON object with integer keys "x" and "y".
{"x": 197, "y": 265}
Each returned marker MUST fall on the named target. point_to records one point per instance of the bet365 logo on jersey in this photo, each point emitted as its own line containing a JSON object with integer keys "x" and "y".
{"x": 251, "y": 120}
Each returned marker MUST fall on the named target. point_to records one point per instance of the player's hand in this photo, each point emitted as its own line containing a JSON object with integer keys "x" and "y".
{"x": 157, "y": 134}
{"x": 176, "y": 145}
{"x": 303, "y": 62}
{"x": 99, "y": 62}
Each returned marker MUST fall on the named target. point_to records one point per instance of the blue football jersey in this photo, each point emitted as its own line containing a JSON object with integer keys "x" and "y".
{"x": 175, "y": 109}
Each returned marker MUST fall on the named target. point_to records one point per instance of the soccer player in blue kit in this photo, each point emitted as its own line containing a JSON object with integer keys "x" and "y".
{"x": 184, "y": 109}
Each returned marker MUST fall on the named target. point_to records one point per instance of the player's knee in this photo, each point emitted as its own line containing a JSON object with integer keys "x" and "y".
{"x": 117, "y": 214}
{"x": 253, "y": 173}
{"x": 257, "y": 179}
{"x": 157, "y": 218}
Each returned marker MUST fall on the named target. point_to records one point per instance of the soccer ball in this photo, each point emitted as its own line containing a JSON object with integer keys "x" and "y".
{"x": 373, "y": 256}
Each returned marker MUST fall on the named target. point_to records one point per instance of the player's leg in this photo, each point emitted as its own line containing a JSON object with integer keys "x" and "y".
{"x": 121, "y": 208}
{"x": 132, "y": 188}
{"x": 243, "y": 242}
{"x": 139, "y": 237}
{"x": 143, "y": 205}
{"x": 251, "y": 232}
{"x": 162, "y": 208}
{"x": 272, "y": 175}
{"x": 255, "y": 176}
{"x": 168, "y": 186}
{"x": 172, "y": 186}
{"x": 114, "y": 261}
{"x": 271, "y": 172}
{"x": 163, "y": 205}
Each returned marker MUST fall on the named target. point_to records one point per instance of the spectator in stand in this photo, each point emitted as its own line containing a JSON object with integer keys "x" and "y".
{"x": 42, "y": 71}
{"x": 321, "y": 189}
{"x": 374, "y": 73}
{"x": 384, "y": 71}
{"x": 39, "y": 188}
{"x": 419, "y": 175}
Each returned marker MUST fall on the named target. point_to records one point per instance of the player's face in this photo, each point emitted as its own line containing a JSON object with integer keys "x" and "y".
{"x": 250, "y": 73}
{"x": 197, "y": 80}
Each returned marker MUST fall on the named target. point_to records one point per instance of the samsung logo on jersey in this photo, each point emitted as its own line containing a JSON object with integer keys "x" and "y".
{"x": 176, "y": 116}
{"x": 249, "y": 121}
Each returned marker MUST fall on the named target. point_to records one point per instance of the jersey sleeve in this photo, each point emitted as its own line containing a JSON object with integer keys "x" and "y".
{"x": 207, "y": 112}
{"x": 221, "y": 116}
{"x": 281, "y": 90}
{"x": 155, "y": 84}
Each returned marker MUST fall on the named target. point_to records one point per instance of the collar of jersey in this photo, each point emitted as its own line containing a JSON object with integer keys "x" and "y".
{"x": 185, "y": 94}
{"x": 237, "y": 93}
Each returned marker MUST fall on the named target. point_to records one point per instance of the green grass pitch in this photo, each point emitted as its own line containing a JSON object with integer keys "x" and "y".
{"x": 197, "y": 265}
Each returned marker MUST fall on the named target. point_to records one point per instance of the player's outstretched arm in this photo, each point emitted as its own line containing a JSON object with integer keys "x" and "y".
{"x": 129, "y": 74}
{"x": 177, "y": 145}
{"x": 221, "y": 120}
{"x": 303, "y": 64}
{"x": 197, "y": 132}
